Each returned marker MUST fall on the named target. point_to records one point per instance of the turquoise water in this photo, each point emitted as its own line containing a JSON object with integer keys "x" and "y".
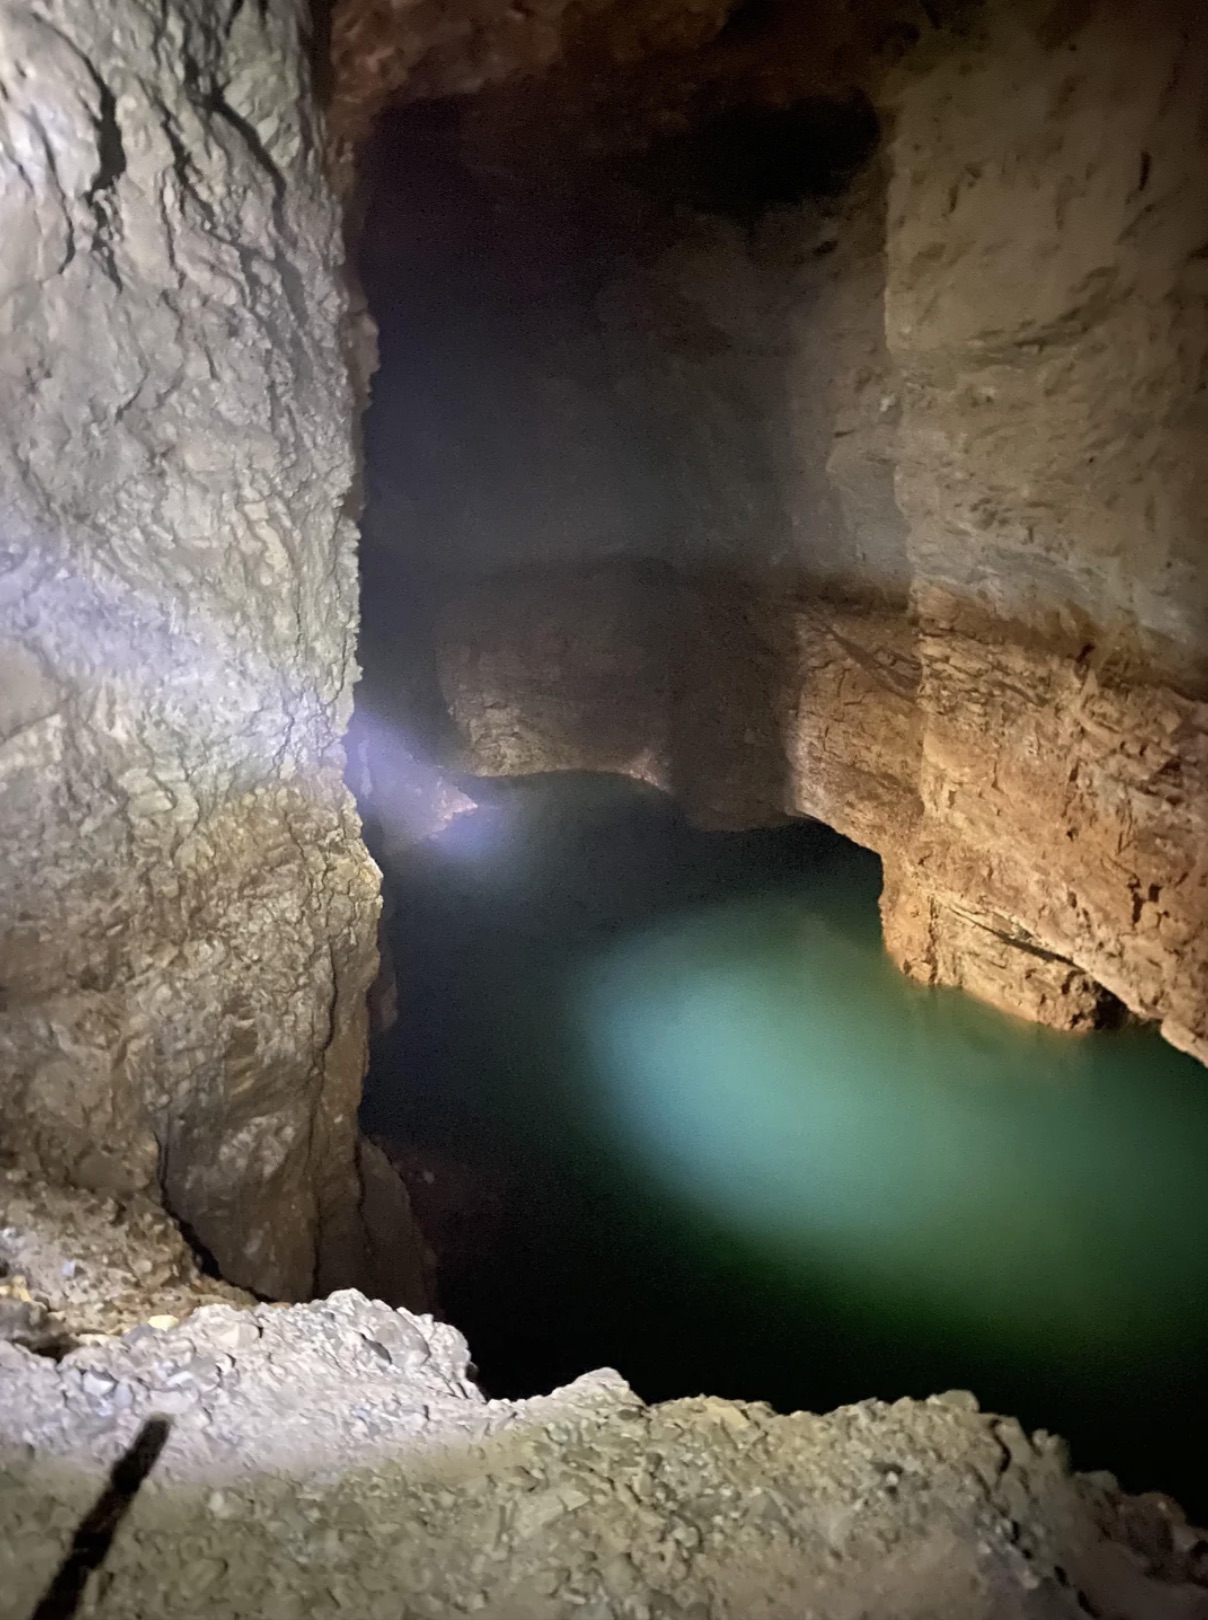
{"x": 742, "y": 1154}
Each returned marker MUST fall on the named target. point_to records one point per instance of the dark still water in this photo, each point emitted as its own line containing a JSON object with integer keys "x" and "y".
{"x": 705, "y": 1133}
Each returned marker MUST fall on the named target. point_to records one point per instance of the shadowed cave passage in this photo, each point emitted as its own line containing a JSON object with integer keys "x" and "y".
{"x": 665, "y": 1105}
{"x": 587, "y": 362}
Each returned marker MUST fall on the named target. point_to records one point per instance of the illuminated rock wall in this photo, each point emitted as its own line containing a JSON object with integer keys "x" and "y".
{"x": 895, "y": 510}
{"x": 188, "y": 913}
{"x": 1046, "y": 307}
{"x": 935, "y": 568}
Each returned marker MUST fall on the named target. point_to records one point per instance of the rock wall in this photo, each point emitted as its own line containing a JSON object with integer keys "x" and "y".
{"x": 187, "y": 910}
{"x": 933, "y": 566}
{"x": 1046, "y": 310}
{"x": 907, "y": 480}
{"x": 636, "y": 358}
{"x": 1065, "y": 821}
{"x": 1046, "y": 306}
{"x": 1044, "y": 831}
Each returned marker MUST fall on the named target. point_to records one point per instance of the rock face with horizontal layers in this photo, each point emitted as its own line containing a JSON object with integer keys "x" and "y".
{"x": 188, "y": 911}
{"x": 1044, "y": 828}
{"x": 1064, "y": 820}
{"x": 928, "y": 559}
{"x": 1046, "y": 309}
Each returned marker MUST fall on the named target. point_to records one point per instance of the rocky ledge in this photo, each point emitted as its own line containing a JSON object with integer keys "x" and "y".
{"x": 336, "y": 1459}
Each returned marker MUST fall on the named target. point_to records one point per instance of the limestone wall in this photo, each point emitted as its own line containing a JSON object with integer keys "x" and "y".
{"x": 1046, "y": 308}
{"x": 186, "y": 910}
{"x": 938, "y": 447}
{"x": 1047, "y": 305}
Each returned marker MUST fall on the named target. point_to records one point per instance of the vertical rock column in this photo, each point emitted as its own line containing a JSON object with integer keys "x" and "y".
{"x": 1047, "y": 305}
{"x": 187, "y": 912}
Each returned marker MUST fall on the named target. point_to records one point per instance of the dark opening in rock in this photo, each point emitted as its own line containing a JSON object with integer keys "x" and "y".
{"x": 750, "y": 160}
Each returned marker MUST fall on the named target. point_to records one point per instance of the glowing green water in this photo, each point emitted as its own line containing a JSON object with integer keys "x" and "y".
{"x": 745, "y": 1155}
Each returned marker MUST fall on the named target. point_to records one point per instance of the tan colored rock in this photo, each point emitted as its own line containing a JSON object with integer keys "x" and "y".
{"x": 381, "y": 49}
{"x": 1045, "y": 309}
{"x": 852, "y": 737}
{"x": 1045, "y": 834}
{"x": 1068, "y": 814}
{"x": 988, "y": 955}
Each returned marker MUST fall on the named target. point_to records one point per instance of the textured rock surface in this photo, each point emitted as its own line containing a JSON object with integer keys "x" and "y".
{"x": 382, "y": 50}
{"x": 929, "y": 557}
{"x": 334, "y": 1459}
{"x": 187, "y": 910}
{"x": 1044, "y": 831}
{"x": 1046, "y": 310}
{"x": 74, "y": 1264}
{"x": 1047, "y": 306}
{"x": 1062, "y": 814}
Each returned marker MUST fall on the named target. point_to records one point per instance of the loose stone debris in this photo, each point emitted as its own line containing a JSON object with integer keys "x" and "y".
{"x": 335, "y": 1459}
{"x": 74, "y": 1264}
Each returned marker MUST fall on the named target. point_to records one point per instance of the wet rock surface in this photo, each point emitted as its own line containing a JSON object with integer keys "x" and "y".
{"x": 336, "y": 1459}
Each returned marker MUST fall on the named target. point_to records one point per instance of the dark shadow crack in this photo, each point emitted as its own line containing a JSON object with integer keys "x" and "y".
{"x": 215, "y": 102}
{"x": 1020, "y": 941}
{"x": 901, "y": 685}
{"x": 111, "y": 165}
{"x": 293, "y": 286}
